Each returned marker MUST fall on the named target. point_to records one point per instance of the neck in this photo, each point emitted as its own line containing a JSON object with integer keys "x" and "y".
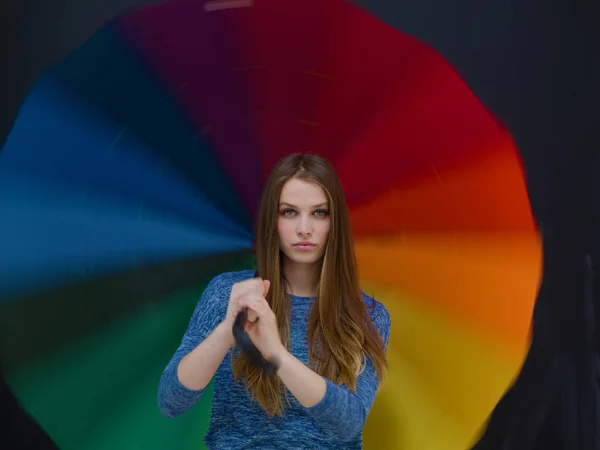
{"x": 302, "y": 279}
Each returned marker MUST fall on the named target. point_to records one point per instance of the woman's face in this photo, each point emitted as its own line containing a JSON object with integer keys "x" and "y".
{"x": 303, "y": 222}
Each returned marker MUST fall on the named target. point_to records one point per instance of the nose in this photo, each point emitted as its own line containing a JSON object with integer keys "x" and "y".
{"x": 304, "y": 227}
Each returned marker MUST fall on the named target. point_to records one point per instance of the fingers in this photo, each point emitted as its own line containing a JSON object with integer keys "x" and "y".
{"x": 257, "y": 285}
{"x": 262, "y": 286}
{"x": 258, "y": 307}
{"x": 252, "y": 316}
{"x": 246, "y": 301}
{"x": 254, "y": 287}
{"x": 237, "y": 307}
{"x": 266, "y": 286}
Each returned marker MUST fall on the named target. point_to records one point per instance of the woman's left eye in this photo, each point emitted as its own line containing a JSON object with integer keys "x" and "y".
{"x": 321, "y": 213}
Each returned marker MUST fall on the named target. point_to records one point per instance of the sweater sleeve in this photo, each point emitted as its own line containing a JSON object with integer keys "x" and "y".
{"x": 174, "y": 398}
{"x": 342, "y": 412}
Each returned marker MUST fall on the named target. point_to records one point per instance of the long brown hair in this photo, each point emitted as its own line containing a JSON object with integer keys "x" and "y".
{"x": 340, "y": 332}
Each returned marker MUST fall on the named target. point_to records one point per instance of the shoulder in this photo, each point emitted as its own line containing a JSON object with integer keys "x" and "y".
{"x": 379, "y": 315}
{"x": 212, "y": 305}
{"x": 225, "y": 281}
{"x": 219, "y": 287}
{"x": 377, "y": 311}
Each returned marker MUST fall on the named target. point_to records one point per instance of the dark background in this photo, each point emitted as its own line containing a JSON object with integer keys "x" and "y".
{"x": 535, "y": 65}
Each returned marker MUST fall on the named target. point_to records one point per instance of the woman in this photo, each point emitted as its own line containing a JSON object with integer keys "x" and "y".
{"x": 306, "y": 314}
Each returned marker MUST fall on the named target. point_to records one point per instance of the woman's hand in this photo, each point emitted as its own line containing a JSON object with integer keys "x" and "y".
{"x": 263, "y": 331}
{"x": 253, "y": 285}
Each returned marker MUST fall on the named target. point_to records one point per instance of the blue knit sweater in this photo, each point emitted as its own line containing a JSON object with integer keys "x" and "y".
{"x": 236, "y": 420}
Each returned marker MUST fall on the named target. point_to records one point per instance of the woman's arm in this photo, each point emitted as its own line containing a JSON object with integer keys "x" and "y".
{"x": 342, "y": 412}
{"x": 197, "y": 368}
{"x": 334, "y": 408}
{"x": 308, "y": 387}
{"x": 202, "y": 349}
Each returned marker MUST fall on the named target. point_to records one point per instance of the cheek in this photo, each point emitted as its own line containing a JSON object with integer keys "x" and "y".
{"x": 323, "y": 229}
{"x": 283, "y": 228}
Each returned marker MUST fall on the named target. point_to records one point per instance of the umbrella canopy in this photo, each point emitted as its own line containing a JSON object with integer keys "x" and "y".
{"x": 132, "y": 176}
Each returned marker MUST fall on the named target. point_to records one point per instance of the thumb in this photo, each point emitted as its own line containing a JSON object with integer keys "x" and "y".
{"x": 267, "y": 285}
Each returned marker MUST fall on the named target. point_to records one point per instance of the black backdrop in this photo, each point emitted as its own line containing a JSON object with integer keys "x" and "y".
{"x": 535, "y": 65}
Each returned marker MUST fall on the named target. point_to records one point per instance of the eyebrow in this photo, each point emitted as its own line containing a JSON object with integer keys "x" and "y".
{"x": 320, "y": 205}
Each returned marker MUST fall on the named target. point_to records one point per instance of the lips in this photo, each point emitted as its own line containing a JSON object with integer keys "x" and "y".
{"x": 304, "y": 246}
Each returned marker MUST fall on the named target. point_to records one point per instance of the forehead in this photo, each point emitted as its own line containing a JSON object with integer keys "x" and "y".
{"x": 302, "y": 193}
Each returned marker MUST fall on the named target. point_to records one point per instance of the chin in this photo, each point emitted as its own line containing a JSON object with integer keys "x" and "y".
{"x": 308, "y": 261}
{"x": 303, "y": 258}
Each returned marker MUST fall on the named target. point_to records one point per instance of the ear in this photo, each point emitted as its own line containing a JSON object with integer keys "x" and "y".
{"x": 267, "y": 285}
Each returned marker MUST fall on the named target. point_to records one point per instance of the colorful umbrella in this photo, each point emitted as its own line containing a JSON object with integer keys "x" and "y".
{"x": 132, "y": 176}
